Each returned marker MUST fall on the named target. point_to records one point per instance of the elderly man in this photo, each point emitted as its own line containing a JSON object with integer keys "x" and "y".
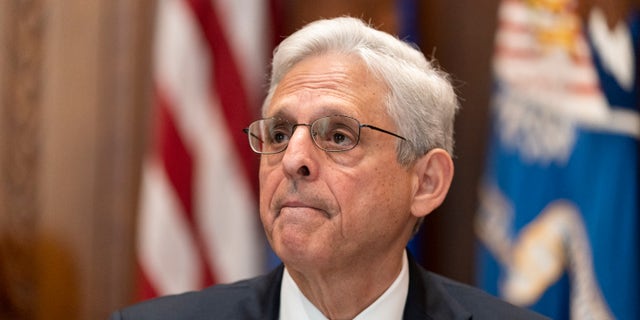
{"x": 355, "y": 148}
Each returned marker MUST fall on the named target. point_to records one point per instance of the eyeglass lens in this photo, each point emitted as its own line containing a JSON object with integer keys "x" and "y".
{"x": 332, "y": 133}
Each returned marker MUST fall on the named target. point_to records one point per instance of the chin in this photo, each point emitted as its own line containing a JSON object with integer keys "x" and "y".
{"x": 298, "y": 254}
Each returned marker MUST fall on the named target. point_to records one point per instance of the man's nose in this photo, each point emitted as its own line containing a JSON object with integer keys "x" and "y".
{"x": 300, "y": 156}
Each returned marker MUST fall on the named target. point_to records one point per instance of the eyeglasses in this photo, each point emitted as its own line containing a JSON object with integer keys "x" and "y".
{"x": 332, "y": 134}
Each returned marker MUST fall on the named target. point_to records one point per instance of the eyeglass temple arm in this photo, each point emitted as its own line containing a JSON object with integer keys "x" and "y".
{"x": 382, "y": 130}
{"x": 246, "y": 130}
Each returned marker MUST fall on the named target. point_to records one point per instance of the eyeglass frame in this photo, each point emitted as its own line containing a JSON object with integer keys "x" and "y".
{"x": 313, "y": 139}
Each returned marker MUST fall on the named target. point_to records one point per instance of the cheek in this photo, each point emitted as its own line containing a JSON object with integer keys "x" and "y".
{"x": 268, "y": 181}
{"x": 383, "y": 192}
{"x": 269, "y": 173}
{"x": 358, "y": 193}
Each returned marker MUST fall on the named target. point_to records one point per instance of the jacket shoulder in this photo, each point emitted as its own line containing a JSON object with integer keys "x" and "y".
{"x": 432, "y": 296}
{"x": 255, "y": 298}
{"x": 481, "y": 304}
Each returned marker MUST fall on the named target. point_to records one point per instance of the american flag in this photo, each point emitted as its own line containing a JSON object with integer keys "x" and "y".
{"x": 198, "y": 219}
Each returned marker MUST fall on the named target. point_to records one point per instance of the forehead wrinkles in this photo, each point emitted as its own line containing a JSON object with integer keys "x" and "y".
{"x": 343, "y": 77}
{"x": 309, "y": 84}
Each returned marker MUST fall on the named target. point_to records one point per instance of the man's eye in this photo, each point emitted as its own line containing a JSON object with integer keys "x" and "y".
{"x": 339, "y": 138}
{"x": 279, "y": 136}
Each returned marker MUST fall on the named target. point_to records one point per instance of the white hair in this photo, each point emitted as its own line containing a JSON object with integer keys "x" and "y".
{"x": 421, "y": 99}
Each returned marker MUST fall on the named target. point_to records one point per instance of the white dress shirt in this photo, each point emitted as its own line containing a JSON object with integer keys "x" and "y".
{"x": 390, "y": 305}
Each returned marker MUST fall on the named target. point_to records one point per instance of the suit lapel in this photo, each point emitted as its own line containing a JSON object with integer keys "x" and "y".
{"x": 269, "y": 294}
{"x": 427, "y": 299}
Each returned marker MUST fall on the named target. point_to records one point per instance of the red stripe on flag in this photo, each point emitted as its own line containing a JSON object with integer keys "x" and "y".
{"x": 146, "y": 289}
{"x": 176, "y": 159}
{"x": 227, "y": 84}
{"x": 178, "y": 165}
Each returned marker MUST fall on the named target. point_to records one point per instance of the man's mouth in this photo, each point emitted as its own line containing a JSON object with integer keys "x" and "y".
{"x": 295, "y": 206}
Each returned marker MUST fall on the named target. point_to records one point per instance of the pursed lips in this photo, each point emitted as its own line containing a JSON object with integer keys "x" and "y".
{"x": 294, "y": 204}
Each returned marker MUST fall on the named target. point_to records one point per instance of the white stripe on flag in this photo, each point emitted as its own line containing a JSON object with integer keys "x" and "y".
{"x": 166, "y": 249}
{"x": 225, "y": 207}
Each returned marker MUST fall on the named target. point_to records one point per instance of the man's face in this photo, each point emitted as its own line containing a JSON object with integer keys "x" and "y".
{"x": 326, "y": 210}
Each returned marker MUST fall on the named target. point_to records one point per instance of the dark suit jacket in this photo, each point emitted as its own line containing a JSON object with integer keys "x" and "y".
{"x": 430, "y": 297}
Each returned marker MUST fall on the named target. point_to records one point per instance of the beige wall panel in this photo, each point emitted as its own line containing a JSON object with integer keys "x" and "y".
{"x": 21, "y": 54}
{"x": 69, "y": 150}
{"x": 95, "y": 107}
{"x": 75, "y": 94}
{"x": 125, "y": 90}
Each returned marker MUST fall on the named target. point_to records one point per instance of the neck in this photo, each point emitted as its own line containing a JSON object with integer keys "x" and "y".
{"x": 342, "y": 293}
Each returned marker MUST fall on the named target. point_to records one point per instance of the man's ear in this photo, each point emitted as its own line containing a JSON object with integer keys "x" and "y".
{"x": 433, "y": 175}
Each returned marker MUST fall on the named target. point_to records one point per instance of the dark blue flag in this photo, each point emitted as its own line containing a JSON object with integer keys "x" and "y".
{"x": 559, "y": 219}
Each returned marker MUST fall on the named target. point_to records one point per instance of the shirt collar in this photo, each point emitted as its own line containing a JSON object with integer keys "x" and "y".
{"x": 390, "y": 305}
